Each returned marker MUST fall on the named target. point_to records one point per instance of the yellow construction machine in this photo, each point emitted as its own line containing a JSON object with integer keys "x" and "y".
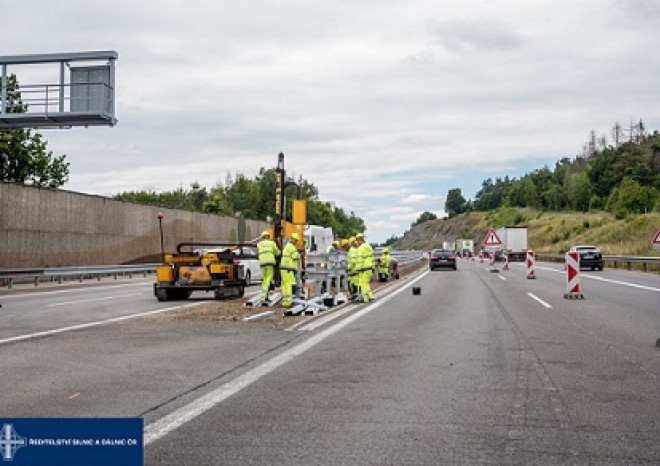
{"x": 206, "y": 266}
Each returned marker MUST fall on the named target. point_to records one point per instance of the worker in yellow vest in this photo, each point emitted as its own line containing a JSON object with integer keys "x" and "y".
{"x": 268, "y": 252}
{"x": 289, "y": 267}
{"x": 384, "y": 263}
{"x": 366, "y": 268}
{"x": 351, "y": 268}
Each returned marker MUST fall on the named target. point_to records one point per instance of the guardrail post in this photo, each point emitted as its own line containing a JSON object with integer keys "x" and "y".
{"x": 81, "y": 278}
{"x": 11, "y": 283}
{"x": 59, "y": 279}
{"x": 36, "y": 281}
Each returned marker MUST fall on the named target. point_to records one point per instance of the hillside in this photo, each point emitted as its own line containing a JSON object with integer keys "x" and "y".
{"x": 549, "y": 232}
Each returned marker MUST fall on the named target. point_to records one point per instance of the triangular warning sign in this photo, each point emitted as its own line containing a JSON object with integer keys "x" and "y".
{"x": 492, "y": 239}
{"x": 655, "y": 242}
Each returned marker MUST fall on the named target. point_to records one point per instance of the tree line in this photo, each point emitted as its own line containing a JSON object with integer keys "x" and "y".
{"x": 622, "y": 178}
{"x": 253, "y": 198}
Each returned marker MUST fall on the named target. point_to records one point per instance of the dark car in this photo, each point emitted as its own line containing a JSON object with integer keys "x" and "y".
{"x": 440, "y": 258}
{"x": 590, "y": 257}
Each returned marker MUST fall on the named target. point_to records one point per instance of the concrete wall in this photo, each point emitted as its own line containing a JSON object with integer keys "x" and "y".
{"x": 56, "y": 228}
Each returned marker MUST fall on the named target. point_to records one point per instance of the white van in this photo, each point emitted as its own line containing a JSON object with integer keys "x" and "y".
{"x": 317, "y": 239}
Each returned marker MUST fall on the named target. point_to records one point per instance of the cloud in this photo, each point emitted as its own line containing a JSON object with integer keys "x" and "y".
{"x": 383, "y": 105}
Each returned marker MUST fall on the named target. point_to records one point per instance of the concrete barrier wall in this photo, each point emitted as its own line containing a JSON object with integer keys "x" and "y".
{"x": 55, "y": 228}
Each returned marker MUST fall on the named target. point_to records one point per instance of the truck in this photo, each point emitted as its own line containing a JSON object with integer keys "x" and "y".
{"x": 464, "y": 247}
{"x": 514, "y": 242}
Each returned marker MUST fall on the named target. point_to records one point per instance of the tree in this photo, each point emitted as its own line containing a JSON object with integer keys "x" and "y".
{"x": 631, "y": 197}
{"x": 424, "y": 217}
{"x": 455, "y": 203}
{"x": 24, "y": 157}
{"x": 577, "y": 191}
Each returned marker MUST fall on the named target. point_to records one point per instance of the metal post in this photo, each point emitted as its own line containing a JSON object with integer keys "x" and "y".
{"x": 61, "y": 105}
{"x": 3, "y": 96}
{"x": 162, "y": 244}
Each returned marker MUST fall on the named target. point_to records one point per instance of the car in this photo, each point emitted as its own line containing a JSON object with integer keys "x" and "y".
{"x": 590, "y": 257}
{"x": 247, "y": 257}
{"x": 440, "y": 258}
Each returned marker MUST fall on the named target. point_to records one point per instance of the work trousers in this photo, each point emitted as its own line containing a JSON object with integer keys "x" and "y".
{"x": 364, "y": 282}
{"x": 267, "y": 273}
{"x": 288, "y": 280}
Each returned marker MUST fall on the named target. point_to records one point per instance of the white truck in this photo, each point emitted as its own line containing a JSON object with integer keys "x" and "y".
{"x": 514, "y": 242}
{"x": 464, "y": 247}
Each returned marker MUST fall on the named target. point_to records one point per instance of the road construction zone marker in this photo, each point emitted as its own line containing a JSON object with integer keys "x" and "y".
{"x": 505, "y": 258}
{"x": 481, "y": 257}
{"x": 492, "y": 263}
{"x": 573, "y": 276}
{"x": 531, "y": 272}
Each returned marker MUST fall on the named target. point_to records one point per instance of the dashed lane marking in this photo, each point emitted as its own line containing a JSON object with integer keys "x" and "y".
{"x": 539, "y": 300}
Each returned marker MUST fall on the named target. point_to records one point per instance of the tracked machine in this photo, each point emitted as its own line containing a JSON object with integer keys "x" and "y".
{"x": 196, "y": 269}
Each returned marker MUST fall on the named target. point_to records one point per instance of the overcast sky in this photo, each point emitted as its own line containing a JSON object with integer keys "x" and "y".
{"x": 383, "y": 105}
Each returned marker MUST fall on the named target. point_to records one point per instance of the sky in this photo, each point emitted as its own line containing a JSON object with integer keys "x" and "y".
{"x": 383, "y": 105}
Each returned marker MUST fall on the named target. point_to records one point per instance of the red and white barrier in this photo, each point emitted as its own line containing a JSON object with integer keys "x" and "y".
{"x": 573, "y": 276}
{"x": 531, "y": 271}
{"x": 505, "y": 259}
{"x": 481, "y": 257}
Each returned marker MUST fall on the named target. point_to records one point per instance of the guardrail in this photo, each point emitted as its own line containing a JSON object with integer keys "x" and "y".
{"x": 8, "y": 277}
{"x": 647, "y": 263}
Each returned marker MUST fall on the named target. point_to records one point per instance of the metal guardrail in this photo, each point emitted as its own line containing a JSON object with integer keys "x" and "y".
{"x": 9, "y": 277}
{"x": 626, "y": 261}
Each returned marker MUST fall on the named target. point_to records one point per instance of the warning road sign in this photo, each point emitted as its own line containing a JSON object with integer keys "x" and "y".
{"x": 492, "y": 239}
{"x": 656, "y": 240}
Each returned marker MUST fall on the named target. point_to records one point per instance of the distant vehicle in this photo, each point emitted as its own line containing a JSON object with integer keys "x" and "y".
{"x": 440, "y": 258}
{"x": 514, "y": 242}
{"x": 590, "y": 257}
{"x": 447, "y": 246}
{"x": 464, "y": 247}
{"x": 246, "y": 256}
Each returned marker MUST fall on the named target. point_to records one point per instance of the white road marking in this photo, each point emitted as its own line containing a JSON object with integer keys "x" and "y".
{"x": 632, "y": 285}
{"x": 536, "y": 298}
{"x": 92, "y": 324}
{"x": 503, "y": 278}
{"x": 71, "y": 290}
{"x": 181, "y": 416}
{"x": 64, "y": 303}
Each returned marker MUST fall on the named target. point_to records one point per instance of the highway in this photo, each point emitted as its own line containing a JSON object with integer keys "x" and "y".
{"x": 480, "y": 367}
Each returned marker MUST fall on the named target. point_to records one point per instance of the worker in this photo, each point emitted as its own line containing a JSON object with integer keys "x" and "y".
{"x": 332, "y": 248}
{"x": 384, "y": 263}
{"x": 351, "y": 268}
{"x": 366, "y": 268}
{"x": 289, "y": 268}
{"x": 268, "y": 252}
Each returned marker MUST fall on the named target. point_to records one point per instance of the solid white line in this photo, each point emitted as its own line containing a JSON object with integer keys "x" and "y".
{"x": 632, "y": 285}
{"x": 64, "y": 303}
{"x": 176, "y": 419}
{"x": 93, "y": 324}
{"x": 70, "y": 290}
{"x": 539, "y": 300}
{"x": 503, "y": 278}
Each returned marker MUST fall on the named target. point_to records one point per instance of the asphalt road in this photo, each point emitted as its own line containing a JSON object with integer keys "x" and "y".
{"x": 480, "y": 367}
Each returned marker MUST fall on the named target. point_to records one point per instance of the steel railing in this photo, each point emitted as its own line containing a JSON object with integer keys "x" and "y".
{"x": 9, "y": 277}
{"x": 614, "y": 261}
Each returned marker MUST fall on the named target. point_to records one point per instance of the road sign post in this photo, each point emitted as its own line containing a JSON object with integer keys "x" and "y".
{"x": 655, "y": 242}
